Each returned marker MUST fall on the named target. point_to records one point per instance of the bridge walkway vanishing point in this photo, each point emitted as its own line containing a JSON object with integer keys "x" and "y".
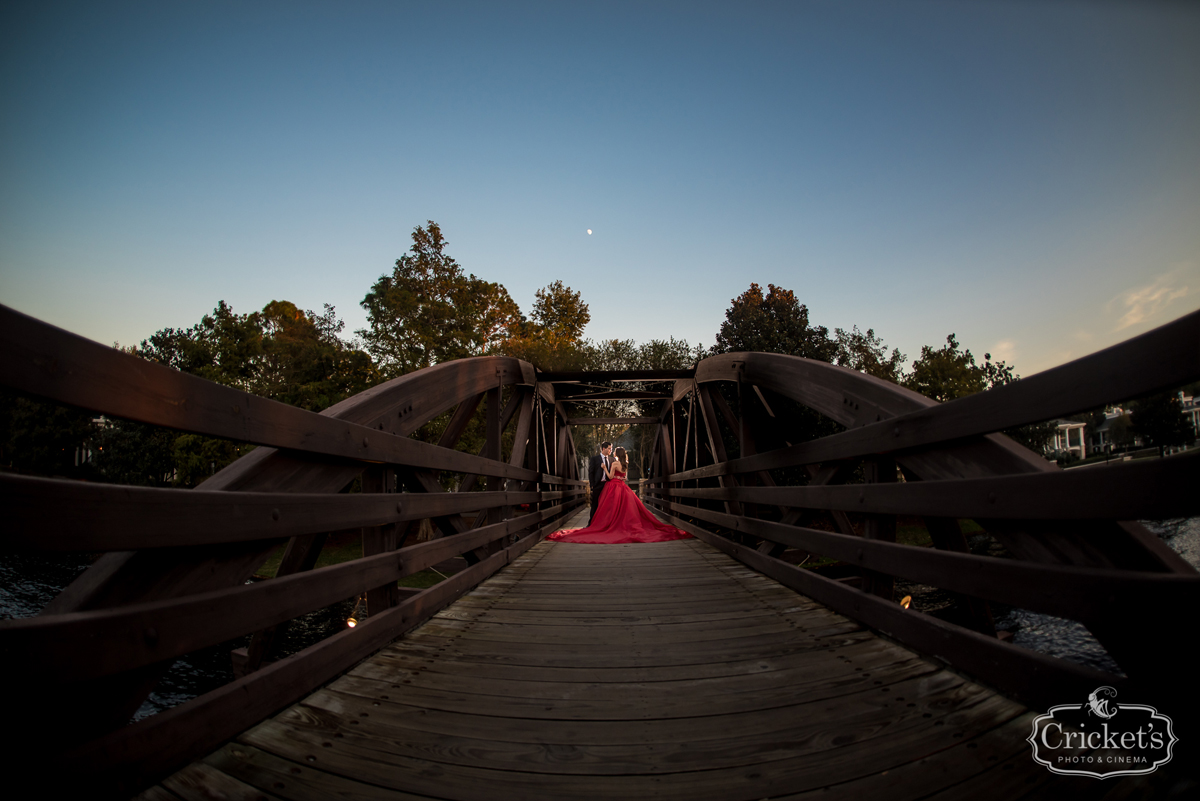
{"x": 663, "y": 670}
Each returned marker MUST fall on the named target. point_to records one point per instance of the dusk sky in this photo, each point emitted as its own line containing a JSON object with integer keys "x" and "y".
{"x": 1023, "y": 174}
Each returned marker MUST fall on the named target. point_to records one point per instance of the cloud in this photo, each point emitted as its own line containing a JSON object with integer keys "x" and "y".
{"x": 1004, "y": 351}
{"x": 1147, "y": 302}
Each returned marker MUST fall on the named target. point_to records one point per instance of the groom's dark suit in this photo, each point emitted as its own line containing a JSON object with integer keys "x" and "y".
{"x": 597, "y": 480}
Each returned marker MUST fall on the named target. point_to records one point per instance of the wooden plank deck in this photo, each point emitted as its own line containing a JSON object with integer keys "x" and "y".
{"x": 635, "y": 671}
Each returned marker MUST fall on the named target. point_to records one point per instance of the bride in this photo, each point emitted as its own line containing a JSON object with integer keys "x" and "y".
{"x": 621, "y": 517}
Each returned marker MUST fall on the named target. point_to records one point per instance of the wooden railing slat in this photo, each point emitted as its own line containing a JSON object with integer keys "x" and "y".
{"x": 60, "y": 515}
{"x": 1166, "y": 357}
{"x": 1035, "y": 678}
{"x": 86, "y": 644}
{"x": 44, "y": 360}
{"x": 129, "y": 757}
{"x": 1077, "y": 593}
{"x": 1135, "y": 490}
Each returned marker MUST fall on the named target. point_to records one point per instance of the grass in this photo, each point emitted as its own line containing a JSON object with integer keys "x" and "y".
{"x": 422, "y": 580}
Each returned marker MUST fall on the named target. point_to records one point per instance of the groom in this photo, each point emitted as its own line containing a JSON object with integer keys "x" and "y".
{"x": 596, "y": 475}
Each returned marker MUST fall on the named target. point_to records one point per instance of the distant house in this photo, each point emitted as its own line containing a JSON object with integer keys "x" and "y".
{"x": 1191, "y": 410}
{"x": 1115, "y": 433}
{"x": 1069, "y": 437}
{"x": 1112, "y": 433}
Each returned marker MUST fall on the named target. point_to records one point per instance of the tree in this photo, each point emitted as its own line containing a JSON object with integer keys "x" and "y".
{"x": 1159, "y": 421}
{"x": 224, "y": 347}
{"x": 867, "y": 354}
{"x": 560, "y": 312}
{"x": 949, "y": 373}
{"x": 427, "y": 311}
{"x": 281, "y": 353}
{"x": 552, "y": 339}
{"x": 946, "y": 373}
{"x": 774, "y": 323}
{"x": 44, "y": 438}
{"x": 304, "y": 363}
{"x": 668, "y": 354}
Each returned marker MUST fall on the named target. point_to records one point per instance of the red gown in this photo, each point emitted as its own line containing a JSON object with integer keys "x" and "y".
{"x": 621, "y": 517}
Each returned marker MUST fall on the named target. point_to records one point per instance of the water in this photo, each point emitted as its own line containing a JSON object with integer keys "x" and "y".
{"x": 29, "y": 580}
{"x": 1070, "y": 640}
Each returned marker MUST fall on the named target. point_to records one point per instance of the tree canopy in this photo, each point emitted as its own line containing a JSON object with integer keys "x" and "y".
{"x": 772, "y": 323}
{"x": 553, "y": 338}
{"x": 428, "y": 311}
{"x": 1159, "y": 421}
{"x": 947, "y": 373}
{"x": 867, "y": 354}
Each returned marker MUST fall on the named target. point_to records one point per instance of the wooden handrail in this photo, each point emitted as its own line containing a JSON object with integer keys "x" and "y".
{"x": 131, "y": 757}
{"x": 87, "y": 644}
{"x": 1078, "y": 593}
{"x": 1162, "y": 358}
{"x": 1038, "y": 678}
{"x": 60, "y": 515}
{"x": 43, "y": 360}
{"x": 1133, "y": 490}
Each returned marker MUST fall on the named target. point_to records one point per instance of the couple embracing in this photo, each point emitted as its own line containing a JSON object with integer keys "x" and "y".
{"x": 618, "y": 515}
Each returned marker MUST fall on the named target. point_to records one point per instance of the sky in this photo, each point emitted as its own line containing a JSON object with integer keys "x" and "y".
{"x": 1025, "y": 175}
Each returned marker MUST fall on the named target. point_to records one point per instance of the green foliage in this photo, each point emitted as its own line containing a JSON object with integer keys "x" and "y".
{"x": 281, "y": 353}
{"x": 304, "y": 363}
{"x": 44, "y": 438}
{"x": 612, "y": 354}
{"x": 427, "y": 311}
{"x": 560, "y": 313}
{"x": 867, "y": 354}
{"x": 552, "y": 339}
{"x": 197, "y": 457}
{"x": 947, "y": 373}
{"x": 772, "y": 323}
{"x": 1159, "y": 421}
{"x": 668, "y": 354}
{"x": 224, "y": 347}
{"x": 126, "y": 452}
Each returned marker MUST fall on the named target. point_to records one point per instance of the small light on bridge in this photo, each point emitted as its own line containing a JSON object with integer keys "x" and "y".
{"x": 905, "y": 601}
{"x": 352, "y": 621}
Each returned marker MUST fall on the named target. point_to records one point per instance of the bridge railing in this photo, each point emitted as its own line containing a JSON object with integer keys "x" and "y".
{"x": 172, "y": 577}
{"x": 727, "y": 472}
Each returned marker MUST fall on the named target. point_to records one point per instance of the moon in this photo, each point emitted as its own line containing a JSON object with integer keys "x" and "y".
{"x": 589, "y": 232}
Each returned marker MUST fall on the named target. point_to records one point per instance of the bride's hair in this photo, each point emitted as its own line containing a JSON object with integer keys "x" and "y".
{"x": 620, "y": 454}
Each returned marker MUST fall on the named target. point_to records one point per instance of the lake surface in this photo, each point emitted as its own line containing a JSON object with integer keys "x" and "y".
{"x": 1068, "y": 639}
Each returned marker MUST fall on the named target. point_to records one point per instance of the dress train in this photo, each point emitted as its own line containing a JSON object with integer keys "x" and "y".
{"x": 621, "y": 517}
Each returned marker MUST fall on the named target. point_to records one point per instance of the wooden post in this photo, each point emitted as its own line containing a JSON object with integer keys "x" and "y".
{"x": 491, "y": 450}
{"x": 879, "y": 470}
{"x": 380, "y": 539}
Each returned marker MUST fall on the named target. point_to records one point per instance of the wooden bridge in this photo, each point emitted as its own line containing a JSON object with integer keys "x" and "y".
{"x": 706, "y": 668}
